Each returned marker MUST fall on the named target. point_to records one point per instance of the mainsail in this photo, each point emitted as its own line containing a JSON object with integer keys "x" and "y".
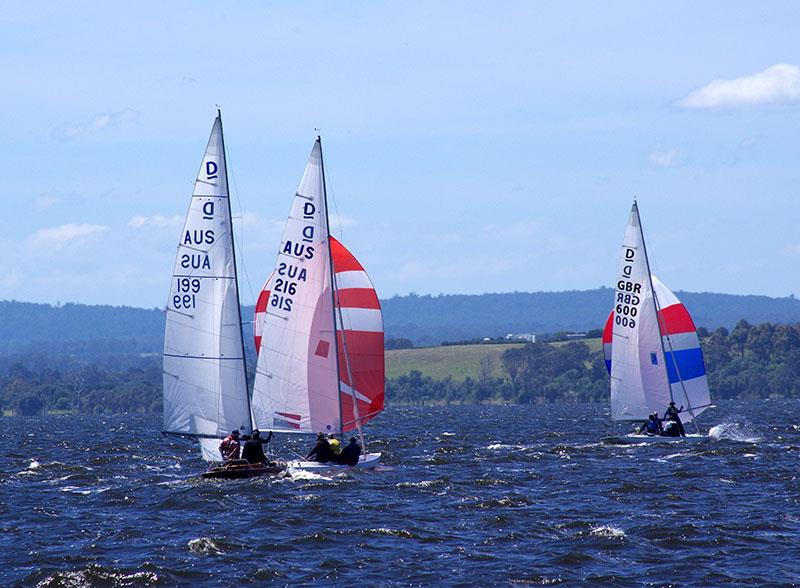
{"x": 647, "y": 325}
{"x": 310, "y": 366}
{"x": 205, "y": 388}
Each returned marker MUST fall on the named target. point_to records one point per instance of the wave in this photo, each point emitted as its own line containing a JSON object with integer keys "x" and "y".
{"x": 734, "y": 432}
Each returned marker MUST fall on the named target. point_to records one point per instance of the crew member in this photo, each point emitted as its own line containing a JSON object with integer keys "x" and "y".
{"x": 321, "y": 452}
{"x": 671, "y": 414}
{"x": 652, "y": 426}
{"x": 350, "y": 453}
{"x": 229, "y": 448}
{"x": 253, "y": 450}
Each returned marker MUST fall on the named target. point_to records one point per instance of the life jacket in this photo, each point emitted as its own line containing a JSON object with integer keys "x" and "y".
{"x": 336, "y": 447}
{"x": 652, "y": 426}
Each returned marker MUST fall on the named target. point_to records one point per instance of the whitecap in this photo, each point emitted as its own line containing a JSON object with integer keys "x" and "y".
{"x": 733, "y": 432}
{"x": 204, "y": 546}
{"x": 608, "y": 531}
{"x": 301, "y": 474}
{"x": 421, "y": 484}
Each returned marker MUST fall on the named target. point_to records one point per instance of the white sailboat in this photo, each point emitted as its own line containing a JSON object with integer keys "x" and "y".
{"x": 319, "y": 330}
{"x": 205, "y": 384}
{"x": 650, "y": 342}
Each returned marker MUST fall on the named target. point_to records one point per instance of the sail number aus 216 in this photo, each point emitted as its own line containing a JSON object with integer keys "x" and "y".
{"x": 290, "y": 274}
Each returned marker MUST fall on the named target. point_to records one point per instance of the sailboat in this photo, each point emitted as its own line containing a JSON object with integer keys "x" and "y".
{"x": 650, "y": 342}
{"x": 318, "y": 330}
{"x": 205, "y": 383}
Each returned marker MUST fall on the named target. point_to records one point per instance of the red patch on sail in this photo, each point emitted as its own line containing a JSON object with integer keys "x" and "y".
{"x": 288, "y": 419}
{"x": 322, "y": 349}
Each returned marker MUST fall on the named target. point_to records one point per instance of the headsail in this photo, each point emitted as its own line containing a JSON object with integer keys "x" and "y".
{"x": 637, "y": 338}
{"x": 296, "y": 379}
{"x": 686, "y": 369}
{"x": 205, "y": 389}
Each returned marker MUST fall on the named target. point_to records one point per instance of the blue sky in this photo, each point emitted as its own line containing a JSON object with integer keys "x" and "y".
{"x": 470, "y": 147}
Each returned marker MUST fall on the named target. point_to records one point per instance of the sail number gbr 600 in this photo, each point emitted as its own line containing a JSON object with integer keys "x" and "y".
{"x": 627, "y": 303}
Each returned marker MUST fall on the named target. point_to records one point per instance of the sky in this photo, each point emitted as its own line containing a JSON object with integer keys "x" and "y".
{"x": 469, "y": 146}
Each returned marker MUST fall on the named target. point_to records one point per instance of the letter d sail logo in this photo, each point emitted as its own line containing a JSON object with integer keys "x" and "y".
{"x": 211, "y": 170}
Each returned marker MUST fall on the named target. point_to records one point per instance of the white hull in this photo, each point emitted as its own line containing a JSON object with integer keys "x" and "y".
{"x": 636, "y": 438}
{"x": 365, "y": 462}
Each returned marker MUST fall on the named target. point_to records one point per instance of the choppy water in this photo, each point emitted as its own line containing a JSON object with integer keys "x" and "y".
{"x": 468, "y": 496}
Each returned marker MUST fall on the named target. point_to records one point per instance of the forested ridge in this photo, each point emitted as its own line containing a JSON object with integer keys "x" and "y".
{"x": 424, "y": 320}
{"x": 747, "y": 362}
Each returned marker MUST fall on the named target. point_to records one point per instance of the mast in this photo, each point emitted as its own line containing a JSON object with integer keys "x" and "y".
{"x": 335, "y": 330}
{"x": 235, "y": 271}
{"x": 333, "y": 288}
{"x": 655, "y": 303}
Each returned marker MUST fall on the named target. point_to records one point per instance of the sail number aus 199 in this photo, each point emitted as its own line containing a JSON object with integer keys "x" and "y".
{"x": 187, "y": 289}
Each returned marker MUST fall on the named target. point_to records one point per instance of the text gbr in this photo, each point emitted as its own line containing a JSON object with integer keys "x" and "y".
{"x": 628, "y": 294}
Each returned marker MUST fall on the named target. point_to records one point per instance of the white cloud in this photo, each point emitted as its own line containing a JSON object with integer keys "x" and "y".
{"x": 663, "y": 157}
{"x": 59, "y": 237}
{"x": 779, "y": 84}
{"x": 158, "y": 221}
{"x": 100, "y": 122}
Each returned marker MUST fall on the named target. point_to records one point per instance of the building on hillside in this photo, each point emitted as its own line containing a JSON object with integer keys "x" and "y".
{"x": 529, "y": 337}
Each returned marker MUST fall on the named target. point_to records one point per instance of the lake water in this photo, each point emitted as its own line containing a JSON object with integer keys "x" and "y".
{"x": 508, "y": 495}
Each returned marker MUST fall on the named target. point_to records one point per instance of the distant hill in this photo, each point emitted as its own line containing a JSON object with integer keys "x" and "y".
{"x": 426, "y": 320}
{"x": 432, "y": 319}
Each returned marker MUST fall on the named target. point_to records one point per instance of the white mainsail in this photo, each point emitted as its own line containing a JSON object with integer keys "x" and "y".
{"x": 205, "y": 388}
{"x": 639, "y": 382}
{"x": 296, "y": 386}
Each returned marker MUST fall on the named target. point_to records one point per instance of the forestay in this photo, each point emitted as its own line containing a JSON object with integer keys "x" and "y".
{"x": 685, "y": 365}
{"x": 205, "y": 390}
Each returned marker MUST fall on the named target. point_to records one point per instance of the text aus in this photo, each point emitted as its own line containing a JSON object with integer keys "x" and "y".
{"x": 291, "y": 274}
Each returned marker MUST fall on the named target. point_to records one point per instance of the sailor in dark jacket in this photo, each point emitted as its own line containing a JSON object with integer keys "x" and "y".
{"x": 671, "y": 414}
{"x": 253, "y": 450}
{"x": 321, "y": 452}
{"x": 351, "y": 453}
{"x": 652, "y": 426}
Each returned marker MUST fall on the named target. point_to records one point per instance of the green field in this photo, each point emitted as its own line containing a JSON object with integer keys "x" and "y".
{"x": 456, "y": 361}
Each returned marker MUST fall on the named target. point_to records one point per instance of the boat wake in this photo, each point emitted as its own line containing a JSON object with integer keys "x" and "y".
{"x": 734, "y": 432}
{"x": 295, "y": 474}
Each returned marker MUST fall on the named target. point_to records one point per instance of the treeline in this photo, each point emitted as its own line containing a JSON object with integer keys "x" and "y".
{"x": 748, "y": 362}
{"x": 538, "y": 373}
{"x": 88, "y": 390}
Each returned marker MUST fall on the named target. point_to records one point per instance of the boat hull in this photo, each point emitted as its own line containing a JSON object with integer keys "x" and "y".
{"x": 366, "y": 462}
{"x": 636, "y": 439}
{"x": 240, "y": 469}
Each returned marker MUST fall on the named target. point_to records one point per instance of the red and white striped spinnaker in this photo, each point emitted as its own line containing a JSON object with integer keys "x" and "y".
{"x": 312, "y": 377}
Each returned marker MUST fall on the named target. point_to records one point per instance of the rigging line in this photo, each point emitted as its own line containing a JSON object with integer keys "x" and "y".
{"x": 232, "y": 174}
{"x": 332, "y": 196}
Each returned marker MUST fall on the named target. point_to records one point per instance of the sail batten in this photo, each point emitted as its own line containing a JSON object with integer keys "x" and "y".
{"x": 205, "y": 389}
